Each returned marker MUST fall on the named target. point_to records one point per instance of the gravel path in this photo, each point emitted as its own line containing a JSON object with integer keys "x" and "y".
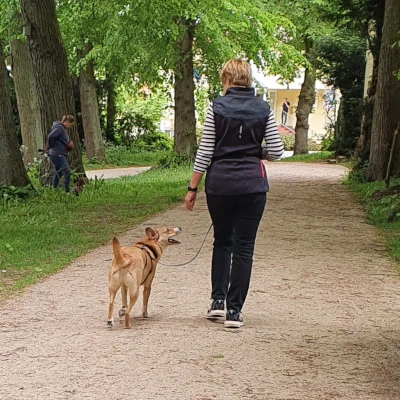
{"x": 114, "y": 172}
{"x": 321, "y": 320}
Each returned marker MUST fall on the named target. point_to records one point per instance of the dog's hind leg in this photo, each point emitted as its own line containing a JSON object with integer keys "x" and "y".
{"x": 133, "y": 296}
{"x": 110, "y": 321}
{"x": 124, "y": 298}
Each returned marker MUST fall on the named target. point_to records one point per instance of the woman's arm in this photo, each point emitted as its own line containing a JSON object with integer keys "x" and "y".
{"x": 203, "y": 157}
{"x": 274, "y": 147}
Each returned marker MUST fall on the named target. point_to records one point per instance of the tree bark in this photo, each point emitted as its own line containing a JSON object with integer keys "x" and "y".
{"x": 12, "y": 170}
{"x": 111, "y": 108}
{"x": 90, "y": 109}
{"x": 364, "y": 142}
{"x": 185, "y": 118}
{"x": 387, "y": 100}
{"x": 27, "y": 101}
{"x": 305, "y": 105}
{"x": 51, "y": 73}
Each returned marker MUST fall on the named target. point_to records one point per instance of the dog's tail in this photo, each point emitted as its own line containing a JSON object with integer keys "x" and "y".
{"x": 120, "y": 261}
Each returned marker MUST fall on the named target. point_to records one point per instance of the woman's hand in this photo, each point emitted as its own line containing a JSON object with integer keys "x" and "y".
{"x": 190, "y": 199}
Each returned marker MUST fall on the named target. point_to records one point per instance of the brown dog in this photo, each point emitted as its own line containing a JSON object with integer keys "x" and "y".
{"x": 133, "y": 266}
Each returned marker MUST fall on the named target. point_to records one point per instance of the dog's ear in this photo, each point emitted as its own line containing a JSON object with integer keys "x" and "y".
{"x": 152, "y": 234}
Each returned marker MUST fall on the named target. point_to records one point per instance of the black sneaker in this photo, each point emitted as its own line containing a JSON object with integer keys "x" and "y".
{"x": 217, "y": 310}
{"x": 233, "y": 320}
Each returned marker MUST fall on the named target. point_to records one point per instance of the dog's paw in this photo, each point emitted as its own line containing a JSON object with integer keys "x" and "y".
{"x": 146, "y": 315}
{"x": 121, "y": 312}
{"x": 110, "y": 324}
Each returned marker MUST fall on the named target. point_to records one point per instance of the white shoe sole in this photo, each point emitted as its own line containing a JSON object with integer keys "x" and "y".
{"x": 233, "y": 324}
{"x": 216, "y": 314}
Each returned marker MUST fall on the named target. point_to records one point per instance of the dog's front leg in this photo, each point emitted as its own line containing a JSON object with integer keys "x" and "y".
{"x": 124, "y": 298}
{"x": 146, "y": 295}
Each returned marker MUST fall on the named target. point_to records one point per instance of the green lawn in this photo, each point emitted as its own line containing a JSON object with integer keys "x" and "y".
{"x": 378, "y": 211}
{"x": 313, "y": 157}
{"x": 121, "y": 157}
{"x": 40, "y": 236}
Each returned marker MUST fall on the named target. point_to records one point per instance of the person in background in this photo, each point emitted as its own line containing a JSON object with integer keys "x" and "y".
{"x": 285, "y": 110}
{"x": 59, "y": 144}
{"x": 236, "y": 184}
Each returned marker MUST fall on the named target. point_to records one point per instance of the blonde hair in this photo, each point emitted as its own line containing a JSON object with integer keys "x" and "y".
{"x": 68, "y": 118}
{"x": 237, "y": 72}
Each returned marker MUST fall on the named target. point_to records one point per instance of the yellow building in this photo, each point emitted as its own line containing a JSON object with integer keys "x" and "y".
{"x": 271, "y": 89}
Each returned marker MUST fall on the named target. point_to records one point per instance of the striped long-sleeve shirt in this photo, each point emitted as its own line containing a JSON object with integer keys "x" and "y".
{"x": 273, "y": 143}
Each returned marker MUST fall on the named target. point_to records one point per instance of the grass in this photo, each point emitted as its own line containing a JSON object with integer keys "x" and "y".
{"x": 118, "y": 156}
{"x": 42, "y": 235}
{"x": 312, "y": 157}
{"x": 378, "y": 210}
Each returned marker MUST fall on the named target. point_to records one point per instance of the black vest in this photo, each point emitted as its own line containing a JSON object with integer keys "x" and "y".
{"x": 240, "y": 121}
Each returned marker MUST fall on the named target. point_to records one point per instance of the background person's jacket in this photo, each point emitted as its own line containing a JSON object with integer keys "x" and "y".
{"x": 57, "y": 140}
{"x": 240, "y": 121}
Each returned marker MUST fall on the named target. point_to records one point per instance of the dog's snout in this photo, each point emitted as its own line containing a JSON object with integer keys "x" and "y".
{"x": 178, "y": 230}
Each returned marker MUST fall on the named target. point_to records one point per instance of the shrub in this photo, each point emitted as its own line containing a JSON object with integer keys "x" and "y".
{"x": 173, "y": 159}
{"x": 288, "y": 142}
{"x": 152, "y": 141}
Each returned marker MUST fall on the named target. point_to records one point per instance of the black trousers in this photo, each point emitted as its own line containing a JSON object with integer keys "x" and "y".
{"x": 236, "y": 220}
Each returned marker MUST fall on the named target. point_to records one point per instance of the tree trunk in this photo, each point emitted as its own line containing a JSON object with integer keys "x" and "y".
{"x": 387, "y": 100}
{"x": 51, "y": 73}
{"x": 90, "y": 109}
{"x": 364, "y": 142}
{"x": 305, "y": 105}
{"x": 12, "y": 170}
{"x": 28, "y": 106}
{"x": 111, "y": 108}
{"x": 185, "y": 118}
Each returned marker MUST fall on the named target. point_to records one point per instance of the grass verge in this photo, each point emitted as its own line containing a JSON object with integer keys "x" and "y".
{"x": 312, "y": 157}
{"x": 122, "y": 157}
{"x": 378, "y": 211}
{"x": 42, "y": 235}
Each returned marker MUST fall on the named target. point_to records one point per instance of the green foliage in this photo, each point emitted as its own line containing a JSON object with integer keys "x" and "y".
{"x": 358, "y": 172}
{"x": 130, "y": 124}
{"x": 153, "y": 141}
{"x": 121, "y": 156}
{"x": 13, "y": 193}
{"x": 173, "y": 160}
{"x": 378, "y": 208}
{"x": 138, "y": 132}
{"x": 312, "y": 157}
{"x": 342, "y": 63}
{"x": 288, "y": 142}
{"x": 327, "y": 142}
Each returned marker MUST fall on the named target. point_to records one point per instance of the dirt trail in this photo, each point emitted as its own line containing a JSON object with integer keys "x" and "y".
{"x": 321, "y": 320}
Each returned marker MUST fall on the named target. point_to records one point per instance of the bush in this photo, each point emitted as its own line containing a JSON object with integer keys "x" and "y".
{"x": 357, "y": 174}
{"x": 173, "y": 159}
{"x": 288, "y": 142}
{"x": 312, "y": 146}
{"x": 15, "y": 193}
{"x": 152, "y": 141}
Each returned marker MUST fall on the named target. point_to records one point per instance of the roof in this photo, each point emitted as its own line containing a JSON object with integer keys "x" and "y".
{"x": 272, "y": 82}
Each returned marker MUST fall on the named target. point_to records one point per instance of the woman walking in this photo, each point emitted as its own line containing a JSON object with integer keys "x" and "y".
{"x": 236, "y": 184}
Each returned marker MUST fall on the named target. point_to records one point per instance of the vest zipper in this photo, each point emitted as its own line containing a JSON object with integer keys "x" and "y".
{"x": 240, "y": 131}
